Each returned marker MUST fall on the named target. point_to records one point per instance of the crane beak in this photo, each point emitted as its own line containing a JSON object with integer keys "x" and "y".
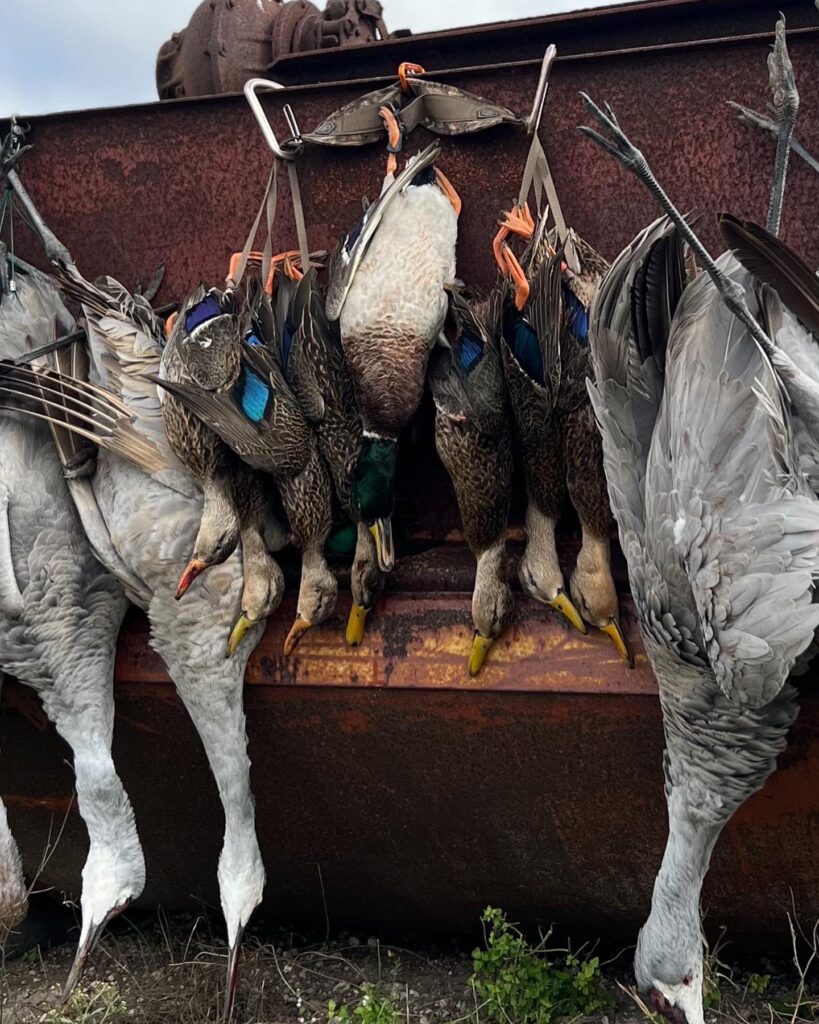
{"x": 194, "y": 567}
{"x": 612, "y": 629}
{"x": 85, "y": 949}
{"x": 240, "y": 627}
{"x": 234, "y": 956}
{"x": 356, "y": 624}
{"x": 297, "y": 631}
{"x": 563, "y": 604}
{"x": 480, "y": 649}
{"x": 381, "y": 531}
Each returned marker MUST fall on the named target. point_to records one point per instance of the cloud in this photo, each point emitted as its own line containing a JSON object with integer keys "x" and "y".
{"x": 99, "y": 53}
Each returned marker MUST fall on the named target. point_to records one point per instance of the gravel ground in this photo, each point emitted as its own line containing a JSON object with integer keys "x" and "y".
{"x": 150, "y": 970}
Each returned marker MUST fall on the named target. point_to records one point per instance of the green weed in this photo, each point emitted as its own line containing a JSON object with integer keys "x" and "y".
{"x": 518, "y": 983}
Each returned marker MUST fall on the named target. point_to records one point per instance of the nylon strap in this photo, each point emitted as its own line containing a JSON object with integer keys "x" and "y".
{"x": 268, "y": 203}
{"x": 538, "y": 173}
{"x": 298, "y": 214}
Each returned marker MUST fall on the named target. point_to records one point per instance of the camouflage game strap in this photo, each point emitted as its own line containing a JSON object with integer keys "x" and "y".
{"x": 442, "y": 109}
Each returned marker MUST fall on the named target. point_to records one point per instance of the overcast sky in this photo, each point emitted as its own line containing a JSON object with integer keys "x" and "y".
{"x": 68, "y": 54}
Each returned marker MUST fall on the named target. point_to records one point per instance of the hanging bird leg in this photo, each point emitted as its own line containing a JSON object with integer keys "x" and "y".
{"x": 519, "y": 221}
{"x": 509, "y": 266}
{"x": 617, "y": 144}
{"x": 757, "y": 120}
{"x": 394, "y": 137}
{"x": 405, "y": 70}
{"x": 786, "y": 107}
{"x": 449, "y": 191}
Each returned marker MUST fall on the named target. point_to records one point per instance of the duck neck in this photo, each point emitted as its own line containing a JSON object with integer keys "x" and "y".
{"x": 540, "y": 569}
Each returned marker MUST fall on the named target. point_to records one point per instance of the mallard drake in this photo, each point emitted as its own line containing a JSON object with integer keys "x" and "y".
{"x": 473, "y": 439}
{"x": 387, "y": 293}
{"x": 259, "y": 419}
{"x": 544, "y": 330}
{"x": 315, "y": 368}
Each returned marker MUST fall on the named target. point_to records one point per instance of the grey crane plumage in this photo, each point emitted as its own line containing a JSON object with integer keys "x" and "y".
{"x": 152, "y": 509}
{"x": 153, "y": 518}
{"x": 706, "y": 455}
{"x": 721, "y": 535}
{"x": 60, "y": 613}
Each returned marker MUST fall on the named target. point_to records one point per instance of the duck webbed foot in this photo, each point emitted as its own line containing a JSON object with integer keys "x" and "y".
{"x": 449, "y": 191}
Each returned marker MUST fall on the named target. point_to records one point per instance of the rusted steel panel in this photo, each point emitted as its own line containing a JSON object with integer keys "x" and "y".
{"x": 421, "y": 641}
{"x": 178, "y": 183}
{"x": 577, "y": 35}
{"x": 421, "y": 807}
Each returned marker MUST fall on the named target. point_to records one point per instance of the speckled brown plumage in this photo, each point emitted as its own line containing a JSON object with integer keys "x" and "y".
{"x": 585, "y": 475}
{"x": 318, "y": 374}
{"x": 473, "y": 437}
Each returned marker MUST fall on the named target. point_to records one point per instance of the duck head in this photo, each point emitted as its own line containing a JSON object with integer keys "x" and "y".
{"x": 374, "y": 493}
{"x": 261, "y": 596}
{"x": 492, "y": 604}
{"x": 218, "y": 536}
{"x": 366, "y": 584}
{"x": 317, "y": 597}
{"x": 595, "y": 598}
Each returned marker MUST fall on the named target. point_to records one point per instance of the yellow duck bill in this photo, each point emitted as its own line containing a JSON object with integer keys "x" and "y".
{"x": 618, "y": 638}
{"x": 477, "y": 656}
{"x": 563, "y": 604}
{"x": 356, "y": 624}
{"x": 381, "y": 531}
{"x": 240, "y": 627}
{"x": 297, "y": 631}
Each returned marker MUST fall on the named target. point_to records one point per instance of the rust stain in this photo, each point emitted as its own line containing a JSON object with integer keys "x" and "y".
{"x": 54, "y": 804}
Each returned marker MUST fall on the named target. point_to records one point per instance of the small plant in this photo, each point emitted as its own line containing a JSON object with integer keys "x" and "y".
{"x": 374, "y": 1007}
{"x": 100, "y": 1003}
{"x": 758, "y": 984}
{"x": 518, "y": 983}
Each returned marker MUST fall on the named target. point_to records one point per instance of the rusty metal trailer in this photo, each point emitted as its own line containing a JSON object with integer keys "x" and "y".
{"x": 424, "y": 795}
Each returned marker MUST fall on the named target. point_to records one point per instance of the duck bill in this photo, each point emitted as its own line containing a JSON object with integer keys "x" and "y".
{"x": 193, "y": 569}
{"x": 356, "y": 624}
{"x": 618, "y": 638}
{"x": 563, "y": 604}
{"x": 240, "y": 627}
{"x": 234, "y": 956}
{"x": 381, "y": 531}
{"x": 297, "y": 631}
{"x": 477, "y": 656}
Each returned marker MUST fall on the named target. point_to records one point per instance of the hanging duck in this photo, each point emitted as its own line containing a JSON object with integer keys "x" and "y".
{"x": 314, "y": 367}
{"x": 387, "y": 294}
{"x": 473, "y": 439}
{"x": 258, "y": 418}
{"x": 544, "y": 327}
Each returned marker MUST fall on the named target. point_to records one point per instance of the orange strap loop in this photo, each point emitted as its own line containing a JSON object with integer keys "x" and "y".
{"x": 406, "y": 69}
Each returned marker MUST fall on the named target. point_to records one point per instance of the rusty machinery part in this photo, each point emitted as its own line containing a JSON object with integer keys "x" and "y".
{"x": 226, "y": 42}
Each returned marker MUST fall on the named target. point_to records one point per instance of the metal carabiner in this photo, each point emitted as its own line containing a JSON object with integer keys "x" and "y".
{"x": 533, "y": 120}
{"x": 291, "y": 149}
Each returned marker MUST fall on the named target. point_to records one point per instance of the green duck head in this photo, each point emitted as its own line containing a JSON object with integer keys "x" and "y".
{"x": 374, "y": 493}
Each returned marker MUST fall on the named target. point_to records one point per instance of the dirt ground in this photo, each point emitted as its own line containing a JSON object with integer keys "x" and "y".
{"x": 151, "y": 968}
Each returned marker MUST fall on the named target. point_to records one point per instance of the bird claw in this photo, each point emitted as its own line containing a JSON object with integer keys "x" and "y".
{"x": 780, "y": 75}
{"x": 519, "y": 221}
{"x": 618, "y": 144}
